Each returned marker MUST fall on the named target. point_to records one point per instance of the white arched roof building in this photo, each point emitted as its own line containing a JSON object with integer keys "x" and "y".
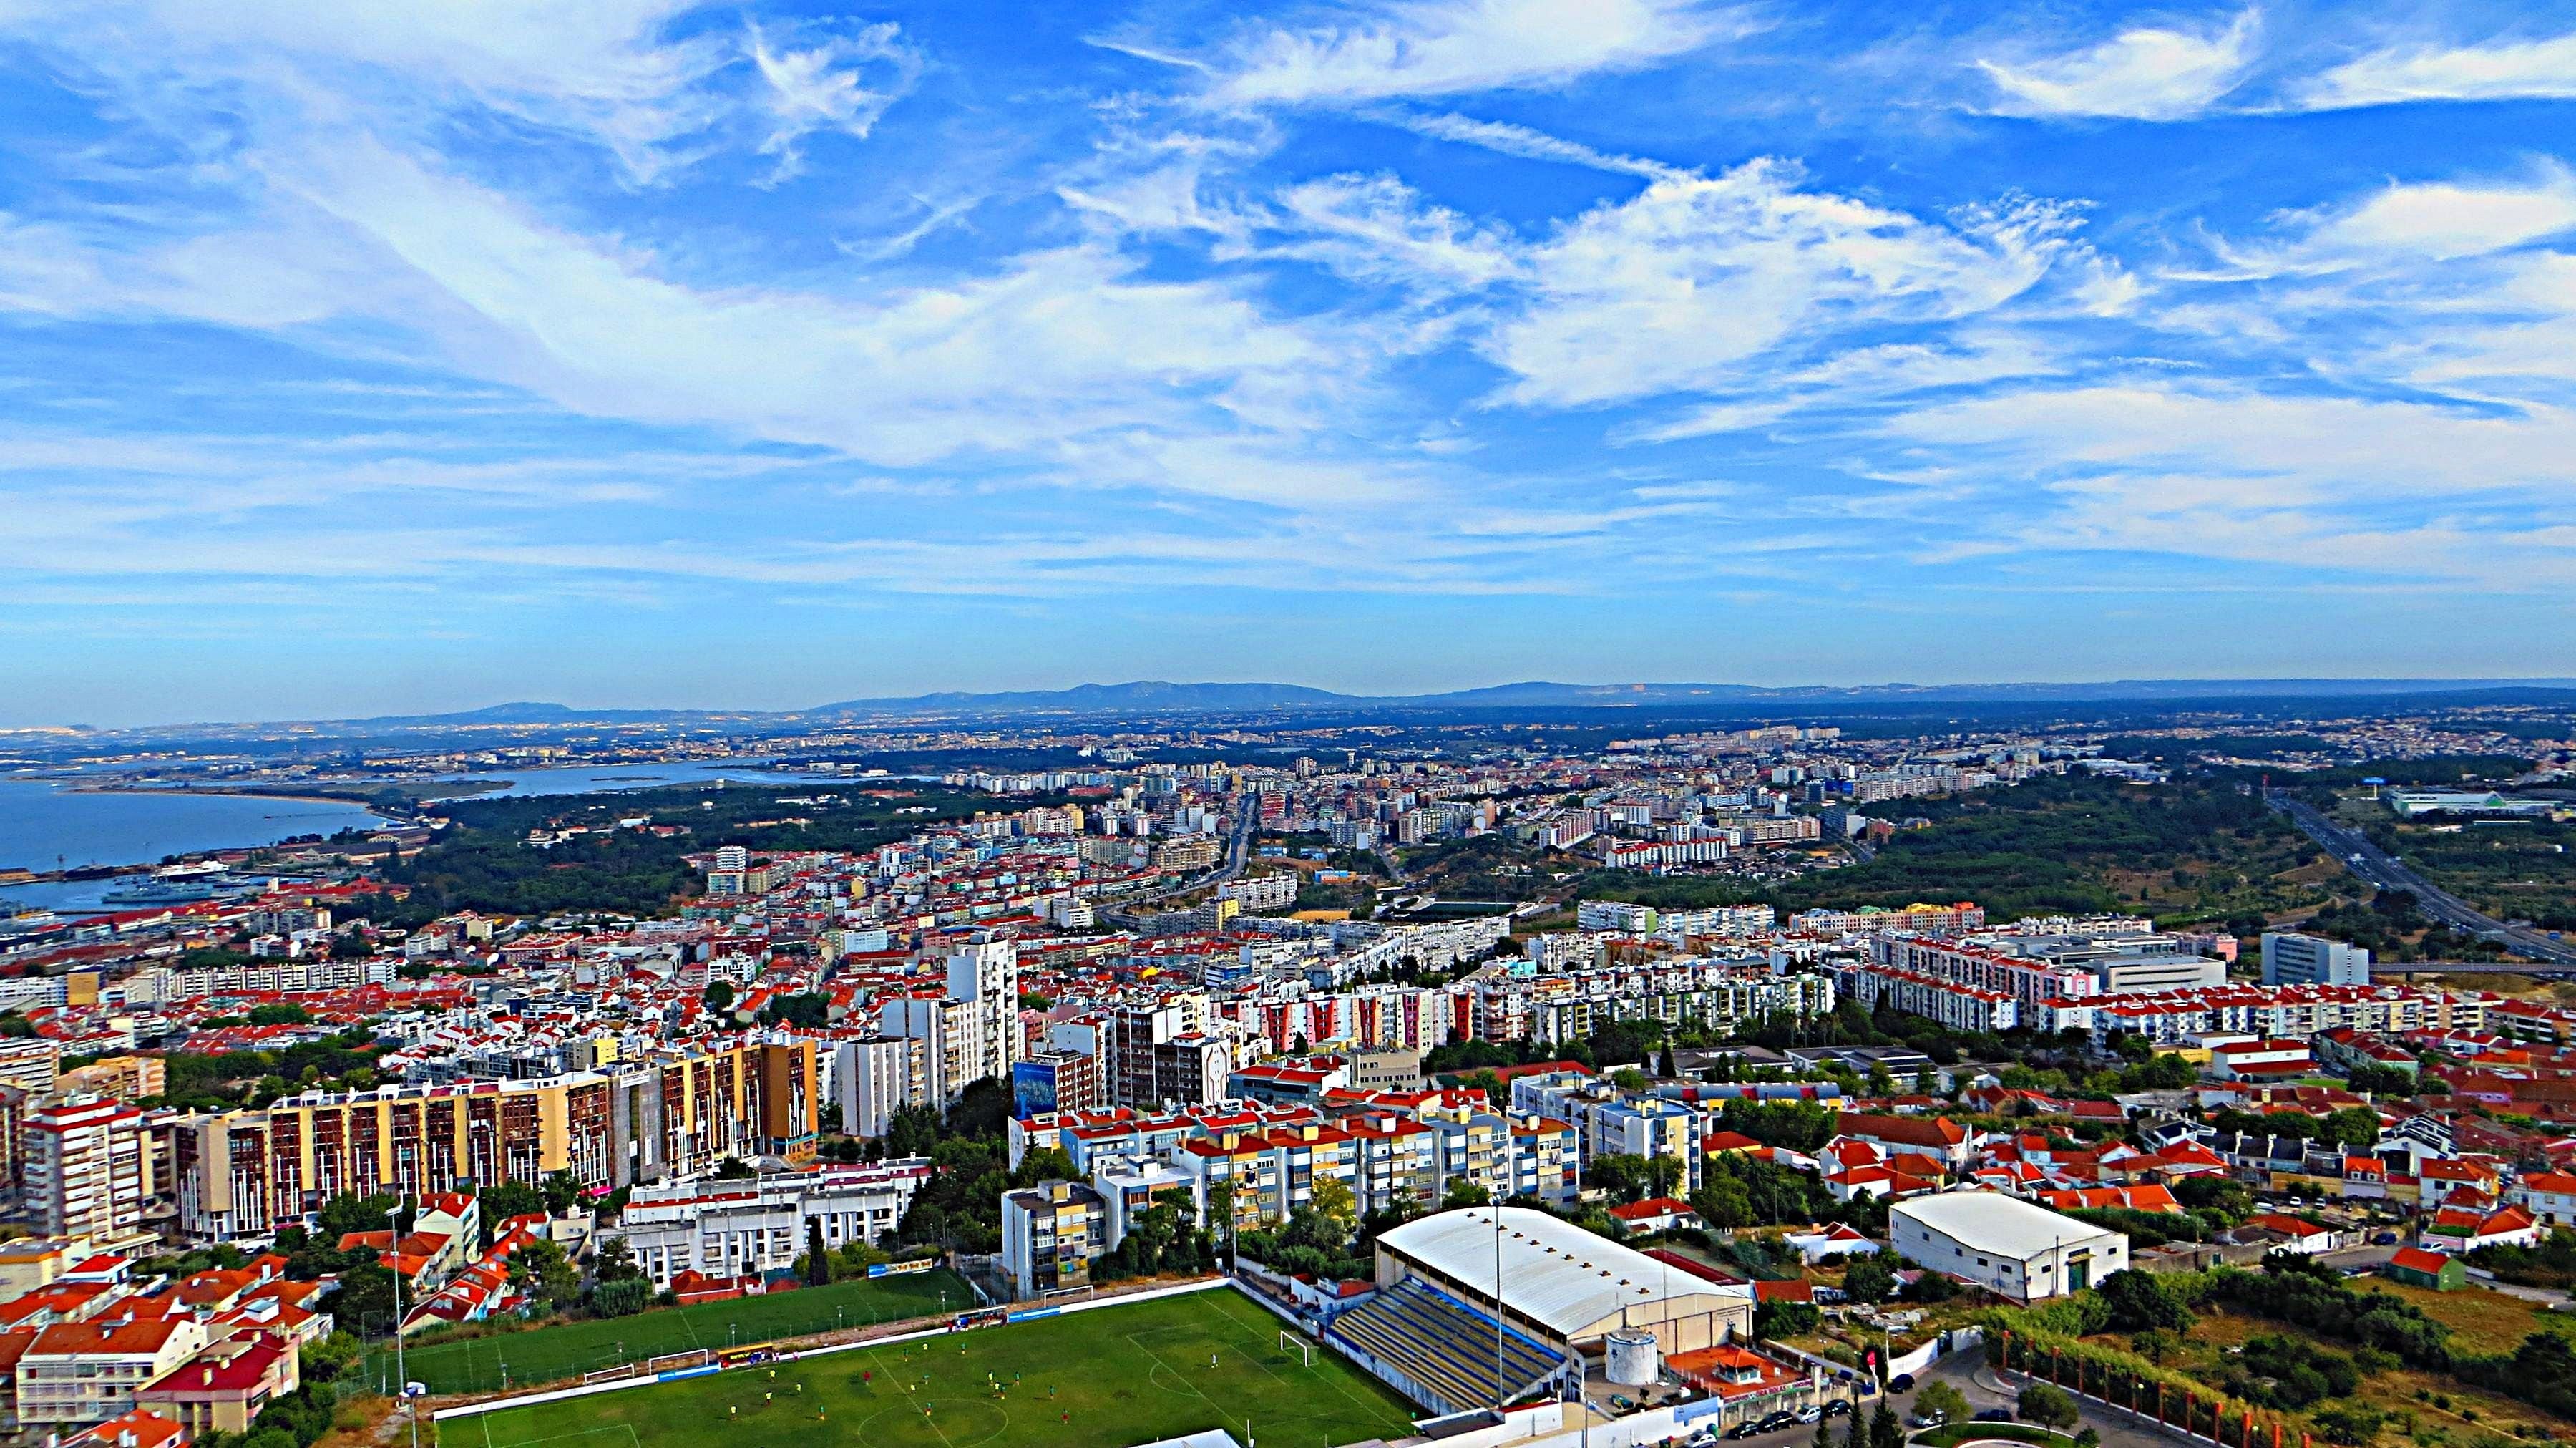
{"x": 1560, "y": 1283}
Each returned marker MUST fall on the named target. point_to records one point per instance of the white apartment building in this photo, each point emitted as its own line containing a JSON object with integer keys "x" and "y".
{"x": 78, "y": 1373}
{"x": 876, "y": 1076}
{"x": 730, "y": 1228}
{"x": 89, "y": 1171}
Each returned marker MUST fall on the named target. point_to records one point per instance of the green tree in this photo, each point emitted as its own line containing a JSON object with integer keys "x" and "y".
{"x": 1622, "y": 1174}
{"x": 2350, "y": 1423}
{"x": 2048, "y": 1406}
{"x": 345, "y": 1214}
{"x": 1779, "y": 1317}
{"x": 1665, "y": 1174}
{"x": 1938, "y": 1396}
{"x": 501, "y": 1201}
{"x": 1462, "y": 1192}
{"x": 1868, "y": 1279}
{"x": 1884, "y": 1430}
{"x": 562, "y": 1192}
{"x": 2355, "y": 1127}
{"x": 615, "y": 1262}
{"x": 544, "y": 1275}
{"x": 2141, "y": 1302}
{"x": 1722, "y": 1202}
{"x": 279, "y": 1015}
{"x": 365, "y": 1300}
{"x": 911, "y": 1131}
{"x": 326, "y": 1357}
{"x": 811, "y": 1011}
{"x": 719, "y": 996}
{"x": 622, "y": 1298}
{"x": 1332, "y": 1200}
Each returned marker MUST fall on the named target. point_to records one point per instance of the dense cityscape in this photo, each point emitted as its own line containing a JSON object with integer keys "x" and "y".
{"x": 1411, "y": 1028}
{"x": 1287, "y": 724}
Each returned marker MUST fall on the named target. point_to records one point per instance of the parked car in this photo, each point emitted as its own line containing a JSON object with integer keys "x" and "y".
{"x": 2384, "y": 1239}
{"x": 1838, "y": 1408}
{"x": 1701, "y": 1438}
{"x": 1995, "y": 1415}
{"x": 1745, "y": 1429}
{"x": 1927, "y": 1419}
{"x": 1810, "y": 1413}
{"x": 1781, "y": 1419}
{"x": 1901, "y": 1383}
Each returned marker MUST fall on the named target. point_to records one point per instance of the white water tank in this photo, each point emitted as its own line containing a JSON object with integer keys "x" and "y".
{"x": 1632, "y": 1359}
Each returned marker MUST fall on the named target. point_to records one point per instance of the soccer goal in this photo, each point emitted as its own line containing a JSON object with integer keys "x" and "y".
{"x": 672, "y": 1361}
{"x": 1297, "y": 1347}
{"x": 610, "y": 1375}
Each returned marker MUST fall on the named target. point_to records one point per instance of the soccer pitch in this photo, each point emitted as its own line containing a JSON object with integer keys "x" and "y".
{"x": 1098, "y": 1379}
{"x": 549, "y": 1354}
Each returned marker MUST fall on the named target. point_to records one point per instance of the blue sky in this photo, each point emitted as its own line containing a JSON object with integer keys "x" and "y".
{"x": 636, "y": 352}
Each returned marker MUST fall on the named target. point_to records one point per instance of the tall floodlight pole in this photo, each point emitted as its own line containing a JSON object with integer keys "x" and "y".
{"x": 1499, "y": 1390}
{"x": 411, "y": 1410}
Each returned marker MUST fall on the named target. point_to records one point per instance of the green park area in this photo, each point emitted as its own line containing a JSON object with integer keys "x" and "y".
{"x": 489, "y": 1361}
{"x": 1129, "y": 1374}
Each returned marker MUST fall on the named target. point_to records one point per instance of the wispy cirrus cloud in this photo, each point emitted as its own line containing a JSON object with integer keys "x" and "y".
{"x": 2146, "y": 72}
{"x": 1453, "y": 47}
{"x": 828, "y": 82}
{"x": 2542, "y": 68}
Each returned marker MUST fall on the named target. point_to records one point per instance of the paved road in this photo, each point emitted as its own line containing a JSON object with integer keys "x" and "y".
{"x": 1238, "y": 852}
{"x": 2379, "y": 869}
{"x": 2358, "y": 1259}
{"x": 1984, "y": 1389}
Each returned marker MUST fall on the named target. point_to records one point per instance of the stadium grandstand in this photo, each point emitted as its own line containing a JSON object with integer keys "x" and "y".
{"x": 1445, "y": 1281}
{"x": 1441, "y": 1353}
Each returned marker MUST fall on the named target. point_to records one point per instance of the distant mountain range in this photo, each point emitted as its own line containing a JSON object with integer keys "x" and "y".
{"x": 1151, "y": 696}
{"x": 1147, "y": 697}
{"x": 1157, "y": 696}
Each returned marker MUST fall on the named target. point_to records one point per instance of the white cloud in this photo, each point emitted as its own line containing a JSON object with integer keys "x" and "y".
{"x": 607, "y": 70}
{"x": 2400, "y": 227}
{"x": 2274, "y": 449}
{"x": 2445, "y": 220}
{"x": 2144, "y": 73}
{"x": 1055, "y": 342}
{"x": 1674, "y": 288}
{"x": 819, "y": 86}
{"x": 1866, "y": 378}
{"x": 1378, "y": 228}
{"x": 1511, "y": 140}
{"x": 1448, "y": 47}
{"x": 2501, "y": 70}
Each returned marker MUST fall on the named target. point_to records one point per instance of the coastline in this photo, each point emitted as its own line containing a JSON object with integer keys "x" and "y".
{"x": 461, "y": 791}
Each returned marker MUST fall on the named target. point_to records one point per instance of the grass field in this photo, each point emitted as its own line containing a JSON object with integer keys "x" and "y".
{"x": 1097, "y": 1379}
{"x": 2480, "y": 1320}
{"x": 546, "y": 1354}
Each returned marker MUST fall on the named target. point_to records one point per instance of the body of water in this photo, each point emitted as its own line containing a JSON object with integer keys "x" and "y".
{"x": 44, "y": 825}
